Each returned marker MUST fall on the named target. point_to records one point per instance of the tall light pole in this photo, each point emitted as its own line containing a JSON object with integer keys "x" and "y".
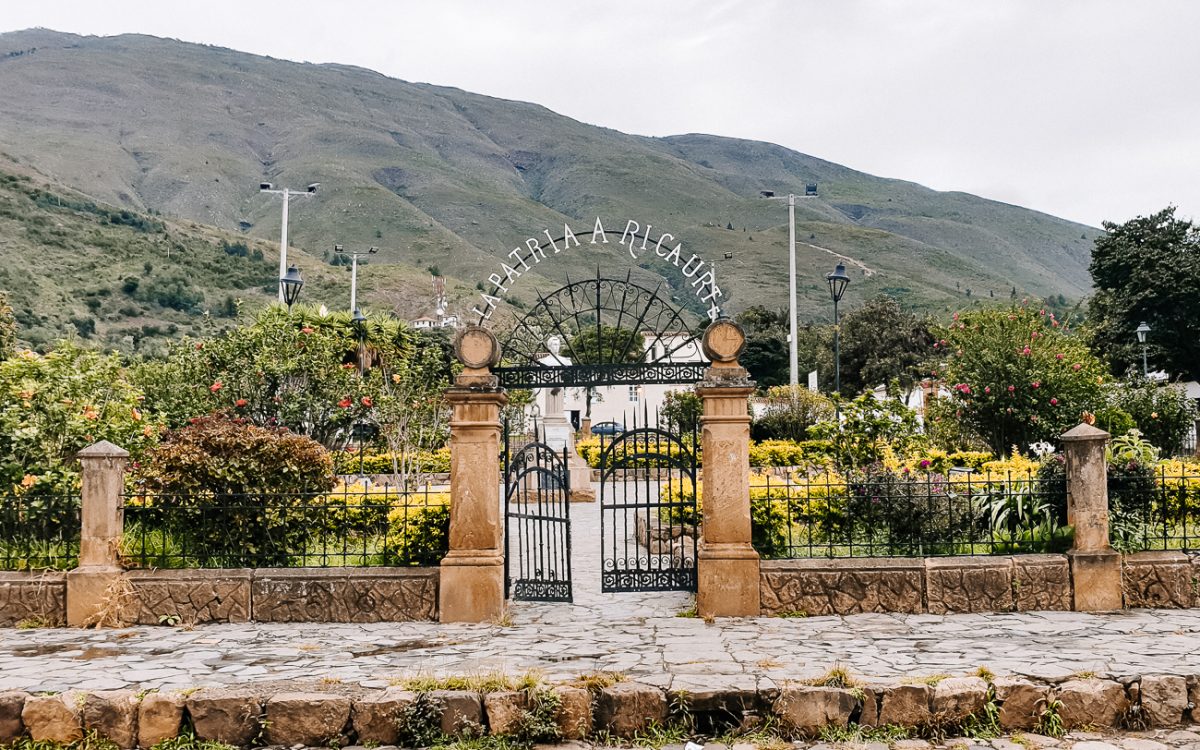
{"x": 354, "y": 256}
{"x": 793, "y": 361}
{"x": 1141, "y": 332}
{"x": 838, "y": 281}
{"x": 287, "y": 194}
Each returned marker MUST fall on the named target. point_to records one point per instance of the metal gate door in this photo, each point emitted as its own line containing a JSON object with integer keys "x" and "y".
{"x": 648, "y": 515}
{"x": 537, "y": 524}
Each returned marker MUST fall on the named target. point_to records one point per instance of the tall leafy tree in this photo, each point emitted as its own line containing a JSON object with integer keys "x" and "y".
{"x": 1148, "y": 269}
{"x": 882, "y": 344}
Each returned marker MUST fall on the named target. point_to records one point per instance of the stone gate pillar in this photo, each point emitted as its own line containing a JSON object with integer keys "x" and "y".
{"x": 93, "y": 585}
{"x": 1095, "y": 565}
{"x": 727, "y": 564}
{"x": 472, "y": 573}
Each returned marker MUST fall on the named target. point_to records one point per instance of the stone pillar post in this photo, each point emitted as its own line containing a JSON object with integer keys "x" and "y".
{"x": 727, "y": 565}
{"x": 472, "y": 574}
{"x": 92, "y": 587}
{"x": 1197, "y": 434}
{"x": 1095, "y": 565}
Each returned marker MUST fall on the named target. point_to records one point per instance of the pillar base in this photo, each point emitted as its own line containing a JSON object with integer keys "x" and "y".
{"x": 1096, "y": 581}
{"x": 471, "y": 587}
{"x": 728, "y": 583}
{"x": 96, "y": 595}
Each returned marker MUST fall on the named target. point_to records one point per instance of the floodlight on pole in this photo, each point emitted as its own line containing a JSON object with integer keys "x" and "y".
{"x": 287, "y": 194}
{"x": 354, "y": 256}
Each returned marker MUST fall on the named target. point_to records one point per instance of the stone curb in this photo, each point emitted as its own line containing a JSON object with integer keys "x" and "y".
{"x": 245, "y": 716}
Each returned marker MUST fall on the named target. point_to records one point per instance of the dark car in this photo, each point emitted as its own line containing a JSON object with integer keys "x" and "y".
{"x": 607, "y": 428}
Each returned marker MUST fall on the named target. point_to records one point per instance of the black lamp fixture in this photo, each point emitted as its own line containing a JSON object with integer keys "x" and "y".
{"x": 838, "y": 281}
{"x": 1142, "y": 330}
{"x": 291, "y": 284}
{"x": 358, "y": 318}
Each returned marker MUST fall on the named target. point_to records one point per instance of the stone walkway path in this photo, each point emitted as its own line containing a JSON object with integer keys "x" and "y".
{"x": 638, "y": 634}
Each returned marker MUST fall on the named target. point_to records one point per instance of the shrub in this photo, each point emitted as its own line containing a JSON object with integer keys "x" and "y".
{"x": 788, "y": 413}
{"x": 419, "y": 537}
{"x": 425, "y": 462}
{"x": 54, "y": 405}
{"x": 234, "y": 491}
{"x": 681, "y": 412}
{"x": 1162, "y": 413}
{"x": 868, "y": 430}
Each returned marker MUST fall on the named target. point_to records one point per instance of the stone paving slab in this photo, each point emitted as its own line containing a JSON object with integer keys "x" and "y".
{"x": 657, "y": 649}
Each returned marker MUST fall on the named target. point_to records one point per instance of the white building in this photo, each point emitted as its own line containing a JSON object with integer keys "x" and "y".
{"x": 620, "y": 403}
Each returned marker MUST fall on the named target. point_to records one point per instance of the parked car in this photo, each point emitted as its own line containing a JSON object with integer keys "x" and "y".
{"x": 608, "y": 428}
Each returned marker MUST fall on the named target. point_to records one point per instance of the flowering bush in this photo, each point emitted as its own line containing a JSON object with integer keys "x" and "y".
{"x": 1016, "y": 376}
{"x": 54, "y": 405}
{"x": 1163, "y": 414}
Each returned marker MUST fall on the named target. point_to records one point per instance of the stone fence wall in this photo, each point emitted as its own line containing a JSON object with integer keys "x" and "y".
{"x": 258, "y": 716}
{"x": 944, "y": 585}
{"x": 193, "y": 597}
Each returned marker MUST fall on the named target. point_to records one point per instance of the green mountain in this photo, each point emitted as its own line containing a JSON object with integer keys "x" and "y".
{"x": 441, "y": 177}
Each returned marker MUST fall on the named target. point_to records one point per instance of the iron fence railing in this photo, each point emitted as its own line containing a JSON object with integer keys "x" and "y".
{"x": 356, "y": 526}
{"x": 1155, "y": 509}
{"x": 39, "y": 532}
{"x": 898, "y": 514}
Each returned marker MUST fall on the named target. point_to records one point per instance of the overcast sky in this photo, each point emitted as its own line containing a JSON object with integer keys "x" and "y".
{"x": 1083, "y": 109}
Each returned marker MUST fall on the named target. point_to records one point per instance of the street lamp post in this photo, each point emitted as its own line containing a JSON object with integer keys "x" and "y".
{"x": 287, "y": 194}
{"x": 360, "y": 330}
{"x": 354, "y": 256}
{"x": 838, "y": 280}
{"x": 1141, "y": 332}
{"x": 793, "y": 355}
{"x": 289, "y": 287}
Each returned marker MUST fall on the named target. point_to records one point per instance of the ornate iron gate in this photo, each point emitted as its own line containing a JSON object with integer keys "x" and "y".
{"x": 537, "y": 523}
{"x": 648, "y": 514}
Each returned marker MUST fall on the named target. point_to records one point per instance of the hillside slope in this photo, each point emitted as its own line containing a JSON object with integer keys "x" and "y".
{"x": 439, "y": 176}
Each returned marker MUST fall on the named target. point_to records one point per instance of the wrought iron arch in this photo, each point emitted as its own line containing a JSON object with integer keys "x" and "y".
{"x": 600, "y": 323}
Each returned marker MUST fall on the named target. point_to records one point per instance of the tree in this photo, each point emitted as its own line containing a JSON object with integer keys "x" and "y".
{"x": 604, "y": 345}
{"x": 1148, "y": 269}
{"x": 766, "y": 352}
{"x": 1016, "y": 376}
{"x": 883, "y": 344}
{"x": 1162, "y": 413}
{"x": 298, "y": 370}
{"x": 54, "y": 405}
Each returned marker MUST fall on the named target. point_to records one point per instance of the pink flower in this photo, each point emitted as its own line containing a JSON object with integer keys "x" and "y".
{"x": 218, "y": 385}
{"x": 1026, "y": 350}
{"x": 366, "y": 401}
{"x": 1033, "y": 335}
{"x": 306, "y": 329}
{"x": 1076, "y": 367}
{"x": 1036, "y": 383}
{"x": 1058, "y": 356}
{"x": 955, "y": 316}
{"x": 987, "y": 389}
{"x": 1012, "y": 388}
{"x": 1054, "y": 402}
{"x": 924, "y": 463}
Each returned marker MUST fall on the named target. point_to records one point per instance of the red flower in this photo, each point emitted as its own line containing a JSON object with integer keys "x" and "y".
{"x": 218, "y": 385}
{"x": 240, "y": 402}
{"x": 1026, "y": 350}
{"x": 987, "y": 389}
{"x": 1054, "y": 402}
{"x": 1036, "y": 383}
{"x": 1058, "y": 356}
{"x": 345, "y": 403}
{"x": 1012, "y": 388}
{"x": 366, "y": 401}
{"x": 306, "y": 329}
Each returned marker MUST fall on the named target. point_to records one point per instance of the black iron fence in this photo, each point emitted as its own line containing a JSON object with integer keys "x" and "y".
{"x": 1155, "y": 508}
{"x": 898, "y": 514}
{"x": 39, "y": 532}
{"x": 355, "y": 525}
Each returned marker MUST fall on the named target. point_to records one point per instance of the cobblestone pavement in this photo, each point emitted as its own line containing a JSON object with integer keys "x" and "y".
{"x": 1185, "y": 738}
{"x": 638, "y": 634}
